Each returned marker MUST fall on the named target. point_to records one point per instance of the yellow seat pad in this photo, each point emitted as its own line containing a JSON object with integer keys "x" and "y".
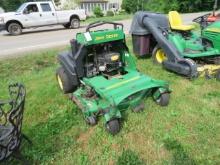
{"x": 176, "y": 22}
{"x": 183, "y": 27}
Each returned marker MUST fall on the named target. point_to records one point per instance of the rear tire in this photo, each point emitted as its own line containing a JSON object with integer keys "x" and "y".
{"x": 14, "y": 29}
{"x": 158, "y": 55}
{"x": 64, "y": 83}
{"x": 74, "y": 23}
{"x": 113, "y": 126}
{"x": 163, "y": 100}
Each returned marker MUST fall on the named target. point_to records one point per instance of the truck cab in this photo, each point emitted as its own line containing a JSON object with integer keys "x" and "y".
{"x": 37, "y": 14}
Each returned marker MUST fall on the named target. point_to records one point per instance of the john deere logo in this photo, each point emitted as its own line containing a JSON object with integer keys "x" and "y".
{"x": 107, "y": 36}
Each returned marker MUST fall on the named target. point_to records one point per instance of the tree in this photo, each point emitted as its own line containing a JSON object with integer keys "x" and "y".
{"x": 70, "y": 4}
{"x": 11, "y": 5}
{"x": 57, "y": 2}
{"x": 131, "y": 6}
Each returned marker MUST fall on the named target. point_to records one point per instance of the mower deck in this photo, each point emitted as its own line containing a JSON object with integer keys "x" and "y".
{"x": 117, "y": 89}
{"x": 115, "y": 94}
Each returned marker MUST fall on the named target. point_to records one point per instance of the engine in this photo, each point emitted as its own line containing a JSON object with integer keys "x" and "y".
{"x": 106, "y": 62}
{"x": 109, "y": 62}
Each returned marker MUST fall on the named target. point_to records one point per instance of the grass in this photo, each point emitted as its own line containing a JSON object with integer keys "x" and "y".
{"x": 184, "y": 133}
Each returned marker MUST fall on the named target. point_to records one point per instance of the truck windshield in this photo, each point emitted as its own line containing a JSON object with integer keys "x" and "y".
{"x": 21, "y": 8}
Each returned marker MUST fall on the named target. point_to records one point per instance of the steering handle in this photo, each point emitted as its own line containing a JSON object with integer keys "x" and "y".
{"x": 100, "y": 23}
{"x": 202, "y": 18}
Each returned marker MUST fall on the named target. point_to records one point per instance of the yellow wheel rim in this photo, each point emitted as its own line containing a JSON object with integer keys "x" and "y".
{"x": 160, "y": 56}
{"x": 60, "y": 82}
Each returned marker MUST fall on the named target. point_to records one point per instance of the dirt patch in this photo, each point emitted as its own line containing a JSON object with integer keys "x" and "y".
{"x": 83, "y": 138}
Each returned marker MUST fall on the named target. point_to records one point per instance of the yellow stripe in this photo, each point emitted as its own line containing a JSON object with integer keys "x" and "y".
{"x": 216, "y": 30}
{"x": 208, "y": 69}
{"x": 121, "y": 83}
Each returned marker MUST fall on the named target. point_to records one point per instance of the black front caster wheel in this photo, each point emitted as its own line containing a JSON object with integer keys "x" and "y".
{"x": 163, "y": 100}
{"x": 91, "y": 120}
{"x": 113, "y": 126}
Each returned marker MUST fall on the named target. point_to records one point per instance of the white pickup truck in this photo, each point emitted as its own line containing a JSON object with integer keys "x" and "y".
{"x": 37, "y": 14}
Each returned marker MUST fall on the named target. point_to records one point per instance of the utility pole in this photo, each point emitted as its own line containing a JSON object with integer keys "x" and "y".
{"x": 215, "y": 7}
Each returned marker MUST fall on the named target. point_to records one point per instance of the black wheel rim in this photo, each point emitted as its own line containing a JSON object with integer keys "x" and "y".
{"x": 15, "y": 29}
{"x": 75, "y": 23}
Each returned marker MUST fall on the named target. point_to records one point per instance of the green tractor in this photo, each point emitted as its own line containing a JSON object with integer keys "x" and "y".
{"x": 100, "y": 76}
{"x": 176, "y": 46}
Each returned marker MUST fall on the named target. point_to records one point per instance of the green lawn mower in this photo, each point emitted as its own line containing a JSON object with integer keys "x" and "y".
{"x": 101, "y": 77}
{"x": 176, "y": 46}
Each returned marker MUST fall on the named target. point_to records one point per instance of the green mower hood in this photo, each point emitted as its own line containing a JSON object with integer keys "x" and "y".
{"x": 115, "y": 90}
{"x": 102, "y": 36}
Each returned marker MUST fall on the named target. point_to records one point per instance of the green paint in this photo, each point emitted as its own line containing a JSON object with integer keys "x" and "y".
{"x": 192, "y": 47}
{"x": 101, "y": 36}
{"x": 117, "y": 93}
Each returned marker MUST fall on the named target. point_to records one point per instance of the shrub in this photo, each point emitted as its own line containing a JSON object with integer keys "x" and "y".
{"x": 131, "y": 6}
{"x": 98, "y": 12}
{"x": 110, "y": 13}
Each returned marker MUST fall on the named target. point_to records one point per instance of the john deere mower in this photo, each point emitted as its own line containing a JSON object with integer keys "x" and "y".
{"x": 176, "y": 46}
{"x": 100, "y": 76}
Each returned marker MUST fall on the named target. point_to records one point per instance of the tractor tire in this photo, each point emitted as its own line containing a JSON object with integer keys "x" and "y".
{"x": 113, "y": 126}
{"x": 163, "y": 100}
{"x": 14, "y": 29}
{"x": 64, "y": 83}
{"x": 91, "y": 120}
{"x": 74, "y": 23}
{"x": 158, "y": 55}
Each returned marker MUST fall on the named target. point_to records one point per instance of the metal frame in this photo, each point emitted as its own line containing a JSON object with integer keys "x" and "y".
{"x": 11, "y": 116}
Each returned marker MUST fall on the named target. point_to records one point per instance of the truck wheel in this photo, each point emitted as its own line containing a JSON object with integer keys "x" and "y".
{"x": 163, "y": 100}
{"x": 158, "y": 55}
{"x": 113, "y": 126}
{"x": 14, "y": 29}
{"x": 64, "y": 82}
{"x": 74, "y": 23}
